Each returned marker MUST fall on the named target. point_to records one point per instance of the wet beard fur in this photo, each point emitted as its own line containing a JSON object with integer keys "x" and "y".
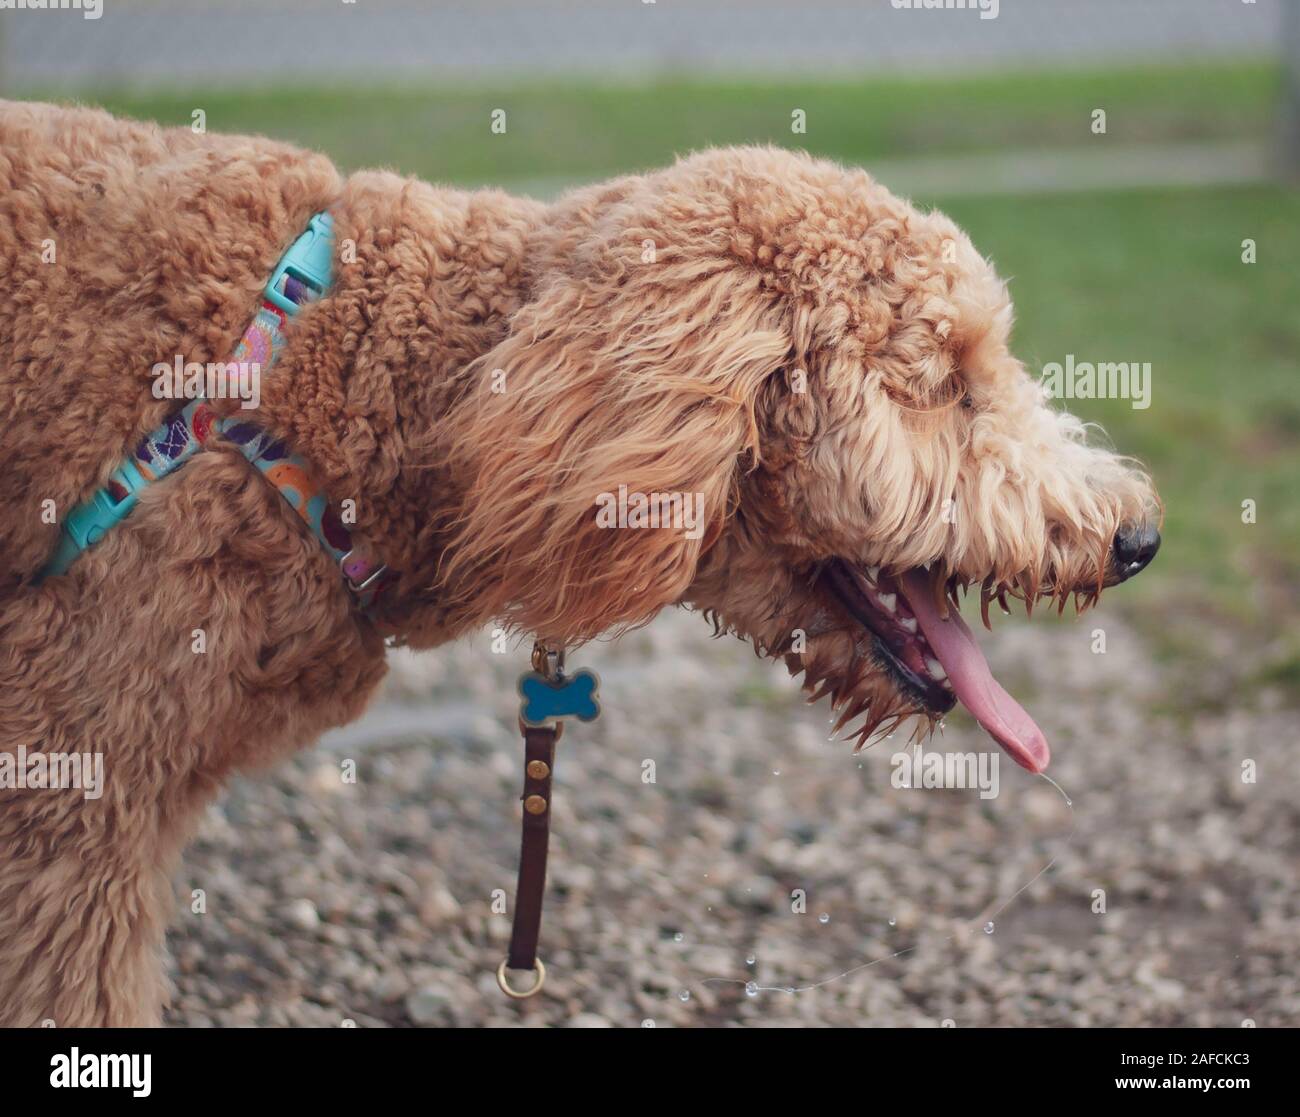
{"x": 860, "y": 682}
{"x": 845, "y": 665}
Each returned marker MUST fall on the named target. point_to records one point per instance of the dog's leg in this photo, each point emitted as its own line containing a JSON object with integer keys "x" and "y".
{"x": 83, "y": 869}
{"x": 83, "y": 901}
{"x": 171, "y": 671}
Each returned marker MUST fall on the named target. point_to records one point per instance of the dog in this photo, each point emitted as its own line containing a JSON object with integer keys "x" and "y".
{"x": 819, "y": 368}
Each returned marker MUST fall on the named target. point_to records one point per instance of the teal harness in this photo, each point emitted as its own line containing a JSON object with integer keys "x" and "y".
{"x": 303, "y": 275}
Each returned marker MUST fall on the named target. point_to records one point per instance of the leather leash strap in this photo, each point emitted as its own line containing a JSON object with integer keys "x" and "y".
{"x": 539, "y": 764}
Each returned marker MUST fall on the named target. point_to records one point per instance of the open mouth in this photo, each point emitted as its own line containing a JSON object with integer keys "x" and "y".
{"x": 932, "y": 654}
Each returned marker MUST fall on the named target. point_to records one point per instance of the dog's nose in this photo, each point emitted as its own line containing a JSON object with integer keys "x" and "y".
{"x": 1134, "y": 547}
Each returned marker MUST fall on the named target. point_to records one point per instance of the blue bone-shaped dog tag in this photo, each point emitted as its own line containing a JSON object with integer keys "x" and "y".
{"x": 546, "y": 700}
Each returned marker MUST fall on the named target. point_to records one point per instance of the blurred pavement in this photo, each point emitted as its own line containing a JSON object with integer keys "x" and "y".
{"x": 228, "y": 42}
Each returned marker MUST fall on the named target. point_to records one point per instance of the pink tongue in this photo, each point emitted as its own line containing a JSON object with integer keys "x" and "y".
{"x": 954, "y": 644}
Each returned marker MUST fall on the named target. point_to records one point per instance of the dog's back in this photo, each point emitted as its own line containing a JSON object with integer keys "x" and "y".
{"x": 209, "y": 632}
{"x": 121, "y": 245}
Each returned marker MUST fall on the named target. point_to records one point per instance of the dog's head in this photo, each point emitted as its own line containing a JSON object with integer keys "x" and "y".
{"x": 761, "y": 385}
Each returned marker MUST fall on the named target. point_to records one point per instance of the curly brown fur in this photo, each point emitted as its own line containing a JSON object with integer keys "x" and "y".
{"x": 651, "y": 332}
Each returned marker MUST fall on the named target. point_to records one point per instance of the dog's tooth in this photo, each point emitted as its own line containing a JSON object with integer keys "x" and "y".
{"x": 939, "y": 596}
{"x": 936, "y": 669}
{"x": 888, "y": 600}
{"x": 908, "y": 624}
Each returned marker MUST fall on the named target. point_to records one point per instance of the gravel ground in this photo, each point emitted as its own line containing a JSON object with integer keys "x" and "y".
{"x": 372, "y": 901}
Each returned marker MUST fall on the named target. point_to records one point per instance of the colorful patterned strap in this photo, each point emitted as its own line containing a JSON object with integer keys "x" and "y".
{"x": 302, "y": 276}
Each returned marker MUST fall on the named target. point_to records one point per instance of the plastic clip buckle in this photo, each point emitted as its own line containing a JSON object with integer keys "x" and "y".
{"x": 87, "y": 524}
{"x": 309, "y": 260}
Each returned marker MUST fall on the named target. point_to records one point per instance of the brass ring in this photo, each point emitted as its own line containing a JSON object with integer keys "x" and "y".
{"x": 538, "y": 969}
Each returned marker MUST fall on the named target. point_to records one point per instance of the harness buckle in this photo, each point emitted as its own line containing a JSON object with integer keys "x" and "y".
{"x": 309, "y": 261}
{"x": 87, "y": 523}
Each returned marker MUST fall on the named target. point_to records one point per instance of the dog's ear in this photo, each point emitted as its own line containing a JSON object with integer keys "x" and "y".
{"x": 641, "y": 379}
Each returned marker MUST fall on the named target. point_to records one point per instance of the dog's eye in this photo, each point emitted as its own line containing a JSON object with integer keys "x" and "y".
{"x": 967, "y": 402}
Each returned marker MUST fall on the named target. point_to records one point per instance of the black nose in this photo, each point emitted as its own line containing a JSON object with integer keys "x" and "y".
{"x": 1134, "y": 547}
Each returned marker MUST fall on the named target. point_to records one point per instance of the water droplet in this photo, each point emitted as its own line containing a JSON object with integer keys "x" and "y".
{"x": 751, "y": 988}
{"x": 749, "y": 961}
{"x": 776, "y": 771}
{"x": 647, "y": 1023}
{"x": 679, "y": 937}
{"x": 823, "y": 918}
{"x": 893, "y": 922}
{"x": 988, "y": 927}
{"x": 684, "y": 995}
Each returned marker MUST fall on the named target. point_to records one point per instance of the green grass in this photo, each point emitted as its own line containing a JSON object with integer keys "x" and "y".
{"x": 586, "y": 131}
{"x": 1128, "y": 276}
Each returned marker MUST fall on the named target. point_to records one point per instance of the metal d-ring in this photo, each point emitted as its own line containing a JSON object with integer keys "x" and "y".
{"x": 539, "y": 971}
{"x": 547, "y": 661}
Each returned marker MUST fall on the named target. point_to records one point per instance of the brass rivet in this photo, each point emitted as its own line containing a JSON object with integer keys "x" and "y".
{"x": 534, "y": 804}
{"x": 538, "y": 769}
